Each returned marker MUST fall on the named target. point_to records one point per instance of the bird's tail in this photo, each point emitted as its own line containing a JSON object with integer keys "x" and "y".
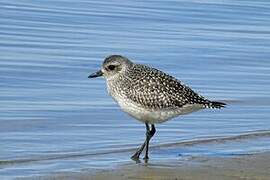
{"x": 216, "y": 105}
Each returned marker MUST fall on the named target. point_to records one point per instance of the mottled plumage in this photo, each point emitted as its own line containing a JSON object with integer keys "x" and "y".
{"x": 148, "y": 94}
{"x": 156, "y": 90}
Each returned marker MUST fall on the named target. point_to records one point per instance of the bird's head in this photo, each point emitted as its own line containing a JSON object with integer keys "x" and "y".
{"x": 112, "y": 66}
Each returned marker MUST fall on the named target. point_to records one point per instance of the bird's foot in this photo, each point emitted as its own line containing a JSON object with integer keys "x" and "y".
{"x": 136, "y": 157}
{"x": 146, "y": 158}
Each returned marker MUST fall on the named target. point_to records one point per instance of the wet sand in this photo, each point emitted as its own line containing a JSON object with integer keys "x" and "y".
{"x": 241, "y": 167}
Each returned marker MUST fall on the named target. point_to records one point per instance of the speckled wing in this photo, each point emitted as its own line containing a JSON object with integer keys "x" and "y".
{"x": 154, "y": 89}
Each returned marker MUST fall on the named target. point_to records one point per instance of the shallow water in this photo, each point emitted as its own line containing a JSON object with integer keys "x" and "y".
{"x": 53, "y": 118}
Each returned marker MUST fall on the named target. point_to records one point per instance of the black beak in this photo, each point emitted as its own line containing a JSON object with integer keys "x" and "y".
{"x": 96, "y": 74}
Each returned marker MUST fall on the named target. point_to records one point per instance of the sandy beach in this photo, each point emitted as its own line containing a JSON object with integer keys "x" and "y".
{"x": 241, "y": 167}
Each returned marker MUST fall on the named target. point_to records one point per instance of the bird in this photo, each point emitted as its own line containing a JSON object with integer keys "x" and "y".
{"x": 149, "y": 95}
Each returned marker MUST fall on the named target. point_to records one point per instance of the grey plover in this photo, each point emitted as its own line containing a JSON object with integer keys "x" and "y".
{"x": 148, "y": 94}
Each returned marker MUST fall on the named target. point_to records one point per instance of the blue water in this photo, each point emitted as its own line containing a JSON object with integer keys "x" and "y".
{"x": 54, "y": 119}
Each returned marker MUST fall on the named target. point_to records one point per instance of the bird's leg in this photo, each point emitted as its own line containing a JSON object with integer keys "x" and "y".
{"x": 149, "y": 135}
{"x": 137, "y": 154}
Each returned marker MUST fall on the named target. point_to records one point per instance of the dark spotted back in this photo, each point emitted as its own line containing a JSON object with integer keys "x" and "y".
{"x": 155, "y": 90}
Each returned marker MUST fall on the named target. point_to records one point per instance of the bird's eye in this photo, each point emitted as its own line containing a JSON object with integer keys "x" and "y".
{"x": 111, "y": 67}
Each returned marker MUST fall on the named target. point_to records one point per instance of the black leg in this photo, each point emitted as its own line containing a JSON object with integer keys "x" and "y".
{"x": 149, "y": 135}
{"x": 137, "y": 154}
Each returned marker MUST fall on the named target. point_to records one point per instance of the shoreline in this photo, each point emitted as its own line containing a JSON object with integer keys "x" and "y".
{"x": 239, "y": 167}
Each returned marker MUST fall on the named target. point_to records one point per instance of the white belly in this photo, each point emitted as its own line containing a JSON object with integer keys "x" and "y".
{"x": 153, "y": 116}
